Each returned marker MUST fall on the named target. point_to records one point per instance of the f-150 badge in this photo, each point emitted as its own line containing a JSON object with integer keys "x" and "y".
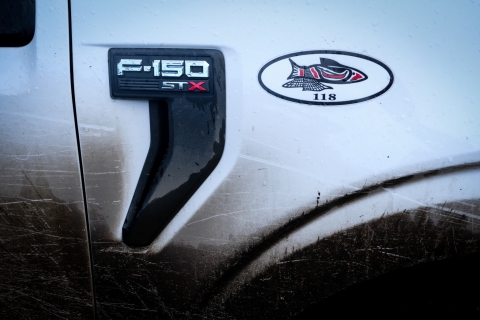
{"x": 159, "y": 73}
{"x": 340, "y": 77}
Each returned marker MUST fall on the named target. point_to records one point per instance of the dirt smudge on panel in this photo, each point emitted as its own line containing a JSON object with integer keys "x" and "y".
{"x": 166, "y": 285}
{"x": 256, "y": 248}
{"x": 366, "y": 251}
{"x": 44, "y": 259}
{"x": 173, "y": 283}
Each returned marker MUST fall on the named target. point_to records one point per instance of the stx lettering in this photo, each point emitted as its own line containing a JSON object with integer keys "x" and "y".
{"x": 166, "y": 68}
{"x": 171, "y": 85}
{"x": 196, "y": 86}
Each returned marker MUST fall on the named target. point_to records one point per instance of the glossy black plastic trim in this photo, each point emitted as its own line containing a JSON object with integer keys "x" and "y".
{"x": 159, "y": 142}
{"x": 187, "y": 142}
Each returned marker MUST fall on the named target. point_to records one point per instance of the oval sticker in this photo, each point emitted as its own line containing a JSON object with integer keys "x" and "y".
{"x": 325, "y": 77}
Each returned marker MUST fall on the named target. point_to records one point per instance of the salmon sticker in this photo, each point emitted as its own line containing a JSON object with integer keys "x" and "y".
{"x": 325, "y": 77}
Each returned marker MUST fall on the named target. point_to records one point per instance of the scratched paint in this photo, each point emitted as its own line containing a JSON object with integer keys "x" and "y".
{"x": 44, "y": 256}
{"x": 189, "y": 281}
{"x": 44, "y": 252}
{"x": 186, "y": 279}
{"x": 178, "y": 281}
{"x": 306, "y": 276}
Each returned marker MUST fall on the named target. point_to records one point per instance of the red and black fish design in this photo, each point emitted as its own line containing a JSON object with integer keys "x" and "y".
{"x": 313, "y": 77}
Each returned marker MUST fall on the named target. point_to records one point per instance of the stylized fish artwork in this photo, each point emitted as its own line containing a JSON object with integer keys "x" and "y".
{"x": 313, "y": 77}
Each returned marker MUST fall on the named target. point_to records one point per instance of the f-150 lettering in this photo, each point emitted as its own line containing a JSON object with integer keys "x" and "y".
{"x": 166, "y": 68}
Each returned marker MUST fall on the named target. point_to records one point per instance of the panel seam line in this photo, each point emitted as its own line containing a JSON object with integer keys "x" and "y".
{"x": 77, "y": 132}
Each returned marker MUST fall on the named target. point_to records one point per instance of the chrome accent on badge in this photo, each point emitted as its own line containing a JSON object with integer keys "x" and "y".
{"x": 122, "y": 65}
{"x": 156, "y": 68}
{"x": 171, "y": 84}
{"x": 170, "y": 68}
{"x": 190, "y": 66}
